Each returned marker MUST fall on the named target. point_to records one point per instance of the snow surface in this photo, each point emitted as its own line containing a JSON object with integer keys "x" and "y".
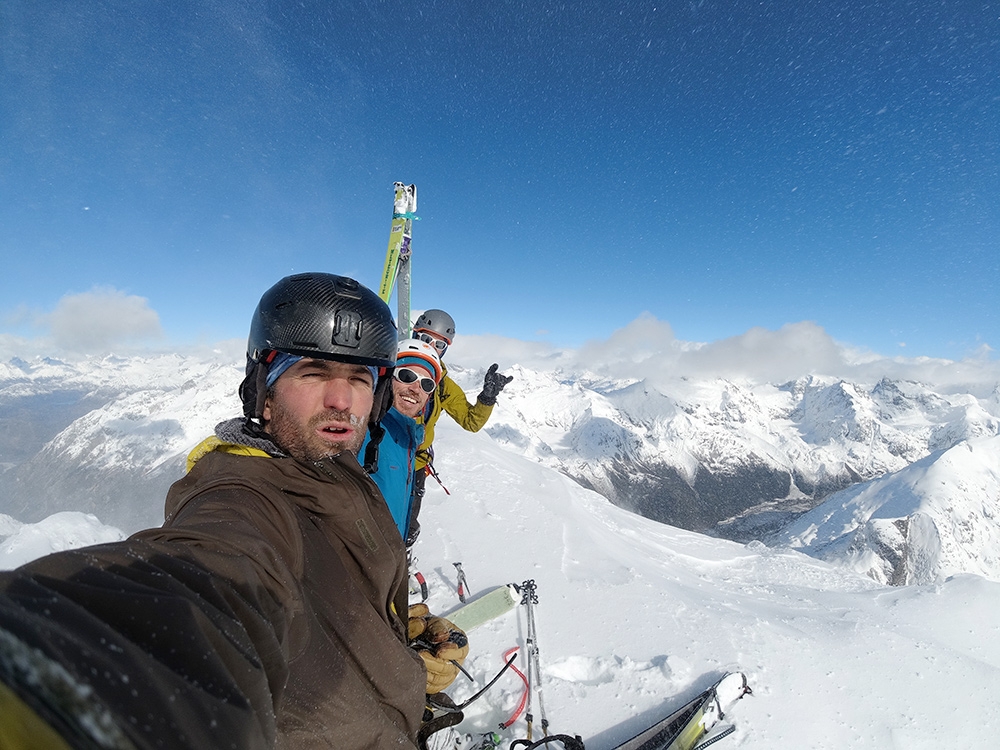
{"x": 23, "y": 542}
{"x": 635, "y": 617}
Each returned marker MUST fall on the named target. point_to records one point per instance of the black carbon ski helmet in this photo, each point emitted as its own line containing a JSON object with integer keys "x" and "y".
{"x": 322, "y": 316}
{"x": 436, "y": 321}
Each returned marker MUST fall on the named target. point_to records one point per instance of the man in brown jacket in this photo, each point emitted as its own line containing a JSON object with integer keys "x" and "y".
{"x": 266, "y": 612}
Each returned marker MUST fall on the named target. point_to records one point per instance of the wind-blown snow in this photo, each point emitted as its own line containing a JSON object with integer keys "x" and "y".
{"x": 636, "y": 616}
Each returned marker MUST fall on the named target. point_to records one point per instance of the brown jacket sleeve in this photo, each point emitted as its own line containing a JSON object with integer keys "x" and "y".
{"x": 171, "y": 654}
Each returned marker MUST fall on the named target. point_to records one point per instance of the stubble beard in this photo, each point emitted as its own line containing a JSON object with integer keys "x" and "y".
{"x": 409, "y": 410}
{"x": 406, "y": 408}
{"x": 302, "y": 442}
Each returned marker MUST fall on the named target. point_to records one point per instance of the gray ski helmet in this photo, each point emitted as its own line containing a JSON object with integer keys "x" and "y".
{"x": 436, "y": 321}
{"x": 323, "y": 316}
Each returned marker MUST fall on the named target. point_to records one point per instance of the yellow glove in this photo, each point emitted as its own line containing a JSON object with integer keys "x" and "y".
{"x": 440, "y": 643}
{"x": 418, "y": 615}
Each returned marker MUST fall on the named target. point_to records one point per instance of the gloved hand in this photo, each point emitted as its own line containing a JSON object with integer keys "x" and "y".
{"x": 493, "y": 384}
{"x": 440, "y": 643}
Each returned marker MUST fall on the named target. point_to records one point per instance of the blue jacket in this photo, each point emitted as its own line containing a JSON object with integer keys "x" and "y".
{"x": 394, "y": 475}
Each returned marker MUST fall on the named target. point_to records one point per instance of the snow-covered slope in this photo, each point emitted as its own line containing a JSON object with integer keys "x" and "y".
{"x": 935, "y": 518}
{"x": 635, "y": 616}
{"x": 23, "y": 542}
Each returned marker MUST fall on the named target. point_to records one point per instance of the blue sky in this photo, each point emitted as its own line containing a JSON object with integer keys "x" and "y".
{"x": 721, "y": 166}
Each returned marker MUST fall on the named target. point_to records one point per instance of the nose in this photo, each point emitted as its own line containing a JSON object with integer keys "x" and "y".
{"x": 338, "y": 394}
{"x": 414, "y": 386}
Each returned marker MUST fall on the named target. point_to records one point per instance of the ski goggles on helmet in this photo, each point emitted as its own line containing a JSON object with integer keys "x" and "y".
{"x": 439, "y": 344}
{"x": 407, "y": 376}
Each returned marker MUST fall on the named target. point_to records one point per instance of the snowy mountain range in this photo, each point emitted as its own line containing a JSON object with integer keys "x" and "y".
{"x": 105, "y": 436}
{"x": 936, "y": 518}
{"x": 732, "y": 458}
{"x": 906, "y": 479}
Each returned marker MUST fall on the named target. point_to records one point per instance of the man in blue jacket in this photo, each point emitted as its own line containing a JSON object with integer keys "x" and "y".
{"x": 418, "y": 373}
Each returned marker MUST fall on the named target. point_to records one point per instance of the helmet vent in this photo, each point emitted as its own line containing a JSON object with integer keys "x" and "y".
{"x": 348, "y": 287}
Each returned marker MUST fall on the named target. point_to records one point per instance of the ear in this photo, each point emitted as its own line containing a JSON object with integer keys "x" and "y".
{"x": 266, "y": 411}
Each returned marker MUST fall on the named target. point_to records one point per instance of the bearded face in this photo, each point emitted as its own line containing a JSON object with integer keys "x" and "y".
{"x": 319, "y": 408}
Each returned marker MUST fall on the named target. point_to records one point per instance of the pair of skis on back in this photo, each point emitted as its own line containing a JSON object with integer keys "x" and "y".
{"x": 396, "y": 271}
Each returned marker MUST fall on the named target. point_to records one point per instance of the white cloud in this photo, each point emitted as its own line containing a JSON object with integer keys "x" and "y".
{"x": 100, "y": 319}
{"x": 103, "y": 319}
{"x": 647, "y": 349}
{"x": 793, "y": 350}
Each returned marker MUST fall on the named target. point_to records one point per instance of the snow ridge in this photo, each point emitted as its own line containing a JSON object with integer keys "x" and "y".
{"x": 936, "y": 518}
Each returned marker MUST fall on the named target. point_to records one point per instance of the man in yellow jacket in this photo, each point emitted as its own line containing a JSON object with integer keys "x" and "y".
{"x": 437, "y": 328}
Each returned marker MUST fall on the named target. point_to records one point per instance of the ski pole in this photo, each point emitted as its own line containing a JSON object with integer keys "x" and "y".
{"x": 411, "y": 564}
{"x": 531, "y": 599}
{"x": 422, "y": 583}
{"x": 433, "y": 473}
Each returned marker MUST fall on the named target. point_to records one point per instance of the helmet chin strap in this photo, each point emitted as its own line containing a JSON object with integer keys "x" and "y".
{"x": 261, "y": 394}
{"x": 253, "y": 393}
{"x": 381, "y": 402}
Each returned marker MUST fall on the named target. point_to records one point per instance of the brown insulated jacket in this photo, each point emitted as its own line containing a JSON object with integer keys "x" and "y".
{"x": 263, "y": 614}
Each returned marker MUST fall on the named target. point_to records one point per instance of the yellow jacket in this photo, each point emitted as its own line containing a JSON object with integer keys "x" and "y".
{"x": 451, "y": 398}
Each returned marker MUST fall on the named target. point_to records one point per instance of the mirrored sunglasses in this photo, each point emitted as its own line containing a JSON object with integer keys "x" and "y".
{"x": 406, "y": 376}
{"x": 438, "y": 344}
